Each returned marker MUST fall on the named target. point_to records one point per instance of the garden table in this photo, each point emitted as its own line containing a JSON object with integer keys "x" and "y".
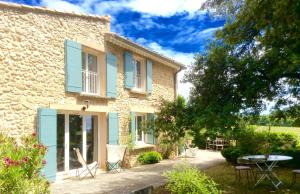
{"x": 266, "y": 165}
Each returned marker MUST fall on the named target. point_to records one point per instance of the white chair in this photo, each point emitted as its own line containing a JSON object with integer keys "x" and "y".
{"x": 115, "y": 155}
{"x": 86, "y": 168}
{"x": 190, "y": 151}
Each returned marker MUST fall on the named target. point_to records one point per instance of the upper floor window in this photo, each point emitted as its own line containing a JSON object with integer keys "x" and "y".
{"x": 90, "y": 74}
{"x": 139, "y": 75}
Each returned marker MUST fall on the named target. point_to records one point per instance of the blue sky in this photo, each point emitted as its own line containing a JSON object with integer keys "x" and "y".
{"x": 175, "y": 28}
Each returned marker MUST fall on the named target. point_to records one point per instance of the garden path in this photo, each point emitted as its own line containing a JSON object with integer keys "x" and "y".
{"x": 134, "y": 178}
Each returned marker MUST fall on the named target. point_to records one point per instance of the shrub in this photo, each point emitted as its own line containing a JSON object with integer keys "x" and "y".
{"x": 188, "y": 180}
{"x": 295, "y": 162}
{"x": 166, "y": 149}
{"x": 250, "y": 141}
{"x": 149, "y": 157}
{"x": 231, "y": 154}
{"x": 20, "y": 165}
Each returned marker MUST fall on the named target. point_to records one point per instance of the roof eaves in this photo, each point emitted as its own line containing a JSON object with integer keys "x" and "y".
{"x": 134, "y": 44}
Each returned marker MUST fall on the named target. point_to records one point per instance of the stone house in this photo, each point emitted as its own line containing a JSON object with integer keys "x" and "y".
{"x": 67, "y": 77}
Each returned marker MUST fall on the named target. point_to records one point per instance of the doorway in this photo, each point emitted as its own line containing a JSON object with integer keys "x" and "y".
{"x": 76, "y": 131}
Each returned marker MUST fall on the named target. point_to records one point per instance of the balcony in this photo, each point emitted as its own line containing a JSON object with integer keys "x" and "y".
{"x": 139, "y": 83}
{"x": 90, "y": 83}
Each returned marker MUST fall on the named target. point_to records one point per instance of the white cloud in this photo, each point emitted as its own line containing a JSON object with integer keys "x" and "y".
{"x": 63, "y": 6}
{"x": 209, "y": 31}
{"x": 191, "y": 34}
{"x": 151, "y": 7}
{"x": 165, "y": 7}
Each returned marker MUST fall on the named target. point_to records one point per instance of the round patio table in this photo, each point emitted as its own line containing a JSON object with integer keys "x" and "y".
{"x": 266, "y": 165}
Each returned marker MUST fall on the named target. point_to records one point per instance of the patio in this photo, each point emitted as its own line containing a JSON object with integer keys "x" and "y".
{"x": 134, "y": 178}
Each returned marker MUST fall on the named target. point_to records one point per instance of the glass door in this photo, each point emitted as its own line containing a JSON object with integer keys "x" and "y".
{"x": 75, "y": 141}
{"x": 60, "y": 142}
{"x": 76, "y": 131}
{"x": 91, "y": 138}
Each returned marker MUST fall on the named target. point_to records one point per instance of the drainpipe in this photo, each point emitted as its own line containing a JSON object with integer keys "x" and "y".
{"x": 175, "y": 83}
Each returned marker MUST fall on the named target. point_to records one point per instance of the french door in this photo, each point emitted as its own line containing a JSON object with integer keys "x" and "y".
{"x": 76, "y": 131}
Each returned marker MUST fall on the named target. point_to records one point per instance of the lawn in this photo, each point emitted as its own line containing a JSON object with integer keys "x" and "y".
{"x": 293, "y": 130}
{"x": 224, "y": 175}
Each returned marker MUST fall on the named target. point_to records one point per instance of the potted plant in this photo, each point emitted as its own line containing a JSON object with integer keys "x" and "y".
{"x": 265, "y": 149}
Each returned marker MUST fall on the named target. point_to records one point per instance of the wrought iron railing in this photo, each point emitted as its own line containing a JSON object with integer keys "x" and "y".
{"x": 90, "y": 82}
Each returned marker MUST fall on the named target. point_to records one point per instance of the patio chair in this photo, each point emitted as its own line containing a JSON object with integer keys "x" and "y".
{"x": 86, "y": 168}
{"x": 244, "y": 166}
{"x": 295, "y": 175}
{"x": 115, "y": 155}
{"x": 191, "y": 150}
{"x": 219, "y": 144}
{"x": 210, "y": 144}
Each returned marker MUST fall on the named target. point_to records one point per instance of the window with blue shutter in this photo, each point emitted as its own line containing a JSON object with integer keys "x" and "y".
{"x": 149, "y": 75}
{"x": 73, "y": 66}
{"x": 47, "y": 128}
{"x": 113, "y": 128}
{"x": 111, "y": 75}
{"x": 128, "y": 69}
{"x": 150, "y": 132}
{"x": 132, "y": 126}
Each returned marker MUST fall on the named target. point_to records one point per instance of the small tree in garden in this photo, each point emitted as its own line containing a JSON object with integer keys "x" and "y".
{"x": 21, "y": 164}
{"x": 171, "y": 123}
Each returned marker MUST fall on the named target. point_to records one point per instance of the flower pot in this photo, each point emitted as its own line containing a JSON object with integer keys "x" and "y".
{"x": 267, "y": 156}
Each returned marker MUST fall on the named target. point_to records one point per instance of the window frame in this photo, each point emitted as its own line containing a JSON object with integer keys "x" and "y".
{"x": 144, "y": 134}
{"x": 143, "y": 73}
{"x": 88, "y": 51}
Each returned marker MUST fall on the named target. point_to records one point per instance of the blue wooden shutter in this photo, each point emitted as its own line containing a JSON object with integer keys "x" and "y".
{"x": 73, "y": 66}
{"x": 149, "y": 76}
{"x": 128, "y": 69}
{"x": 111, "y": 75}
{"x": 132, "y": 126}
{"x": 113, "y": 128}
{"x": 47, "y": 127}
{"x": 150, "y": 132}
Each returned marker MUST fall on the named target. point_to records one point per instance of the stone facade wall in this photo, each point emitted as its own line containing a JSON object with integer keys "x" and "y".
{"x": 32, "y": 68}
{"x": 163, "y": 88}
{"x": 32, "y": 61}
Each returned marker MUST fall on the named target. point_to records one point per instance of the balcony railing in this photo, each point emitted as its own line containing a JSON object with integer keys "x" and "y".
{"x": 90, "y": 82}
{"x": 139, "y": 83}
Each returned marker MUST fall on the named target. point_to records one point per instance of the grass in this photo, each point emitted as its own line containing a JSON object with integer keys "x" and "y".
{"x": 224, "y": 175}
{"x": 277, "y": 129}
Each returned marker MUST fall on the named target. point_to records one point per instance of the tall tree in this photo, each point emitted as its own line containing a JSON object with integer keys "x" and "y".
{"x": 255, "y": 57}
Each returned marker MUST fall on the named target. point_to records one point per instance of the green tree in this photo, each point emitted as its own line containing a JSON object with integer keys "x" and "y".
{"x": 170, "y": 121}
{"x": 255, "y": 57}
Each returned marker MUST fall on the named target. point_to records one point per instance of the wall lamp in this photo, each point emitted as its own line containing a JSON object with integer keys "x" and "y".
{"x": 86, "y": 105}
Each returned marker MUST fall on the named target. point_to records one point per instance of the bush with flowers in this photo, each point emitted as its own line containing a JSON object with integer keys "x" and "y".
{"x": 20, "y": 165}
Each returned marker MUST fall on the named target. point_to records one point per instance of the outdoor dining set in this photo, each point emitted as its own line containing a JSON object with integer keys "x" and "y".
{"x": 260, "y": 167}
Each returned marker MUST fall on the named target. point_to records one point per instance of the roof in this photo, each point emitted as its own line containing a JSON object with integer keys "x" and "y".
{"x": 52, "y": 11}
{"x": 137, "y": 48}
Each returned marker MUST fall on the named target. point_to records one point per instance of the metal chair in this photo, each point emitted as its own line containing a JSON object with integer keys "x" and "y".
{"x": 244, "y": 166}
{"x": 210, "y": 144}
{"x": 296, "y": 172}
{"x": 219, "y": 144}
{"x": 86, "y": 168}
